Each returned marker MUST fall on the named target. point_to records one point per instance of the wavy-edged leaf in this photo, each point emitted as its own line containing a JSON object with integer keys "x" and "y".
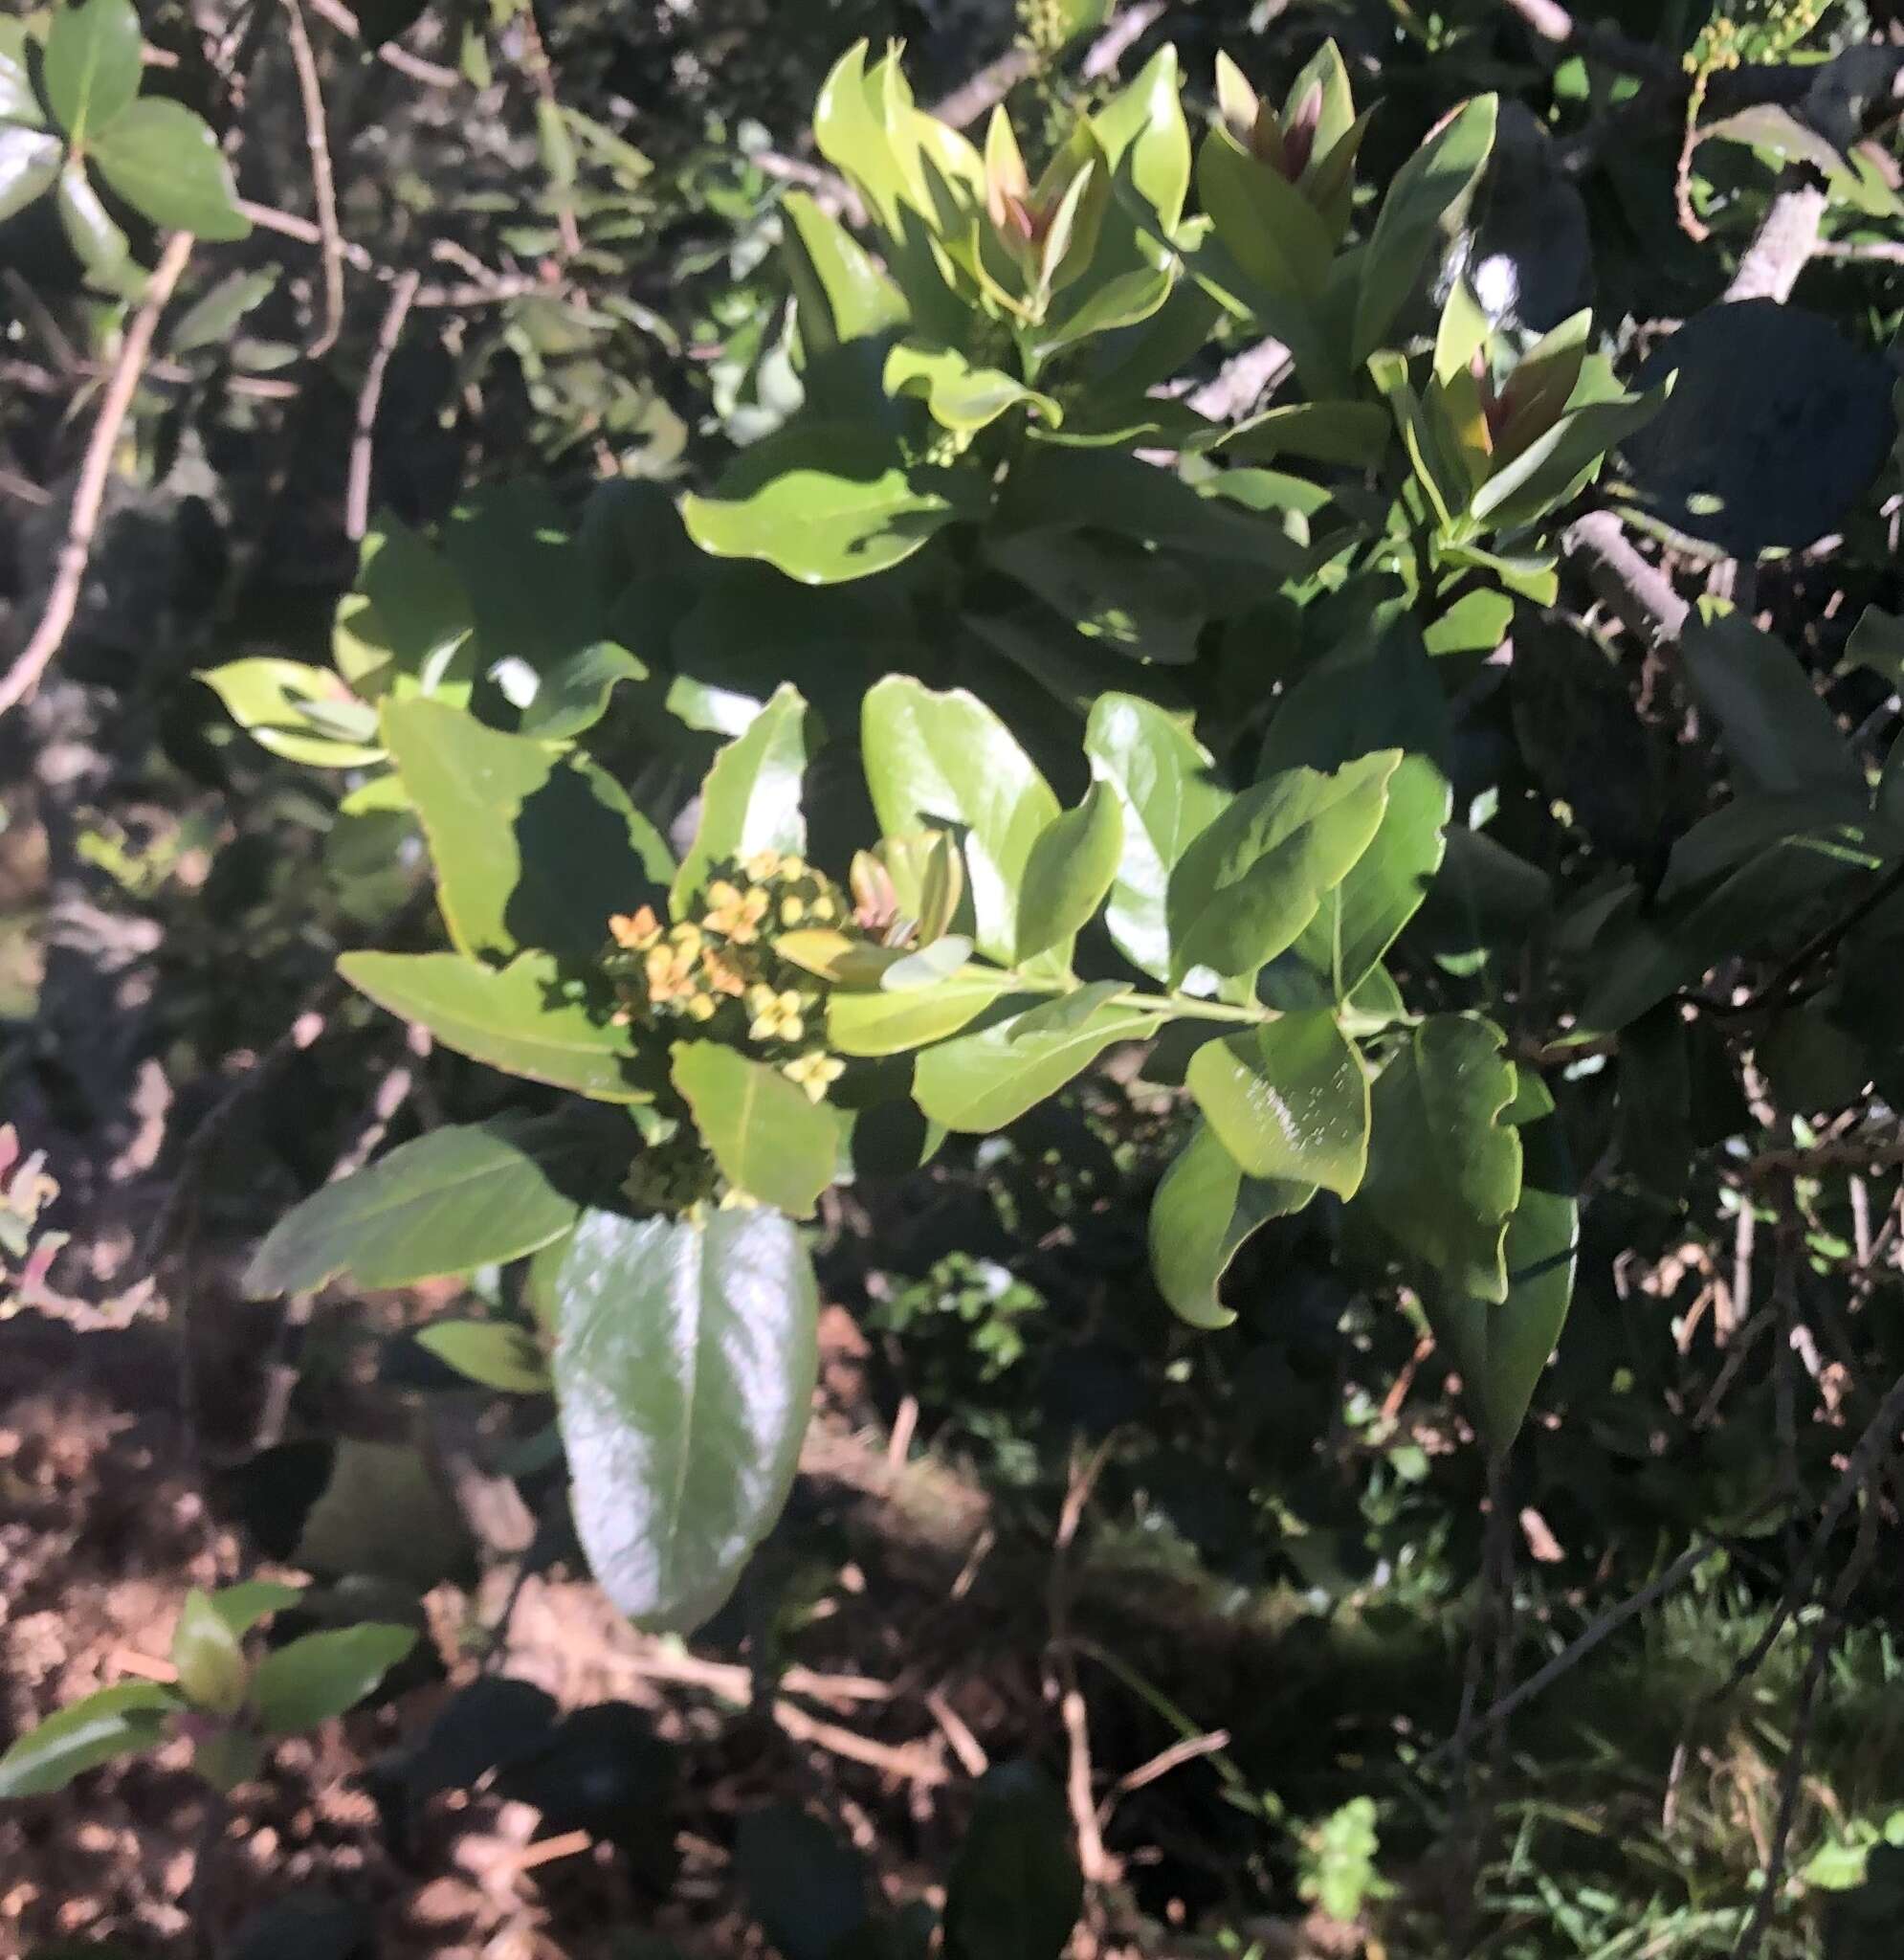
{"x": 1204, "y": 1211}
{"x": 1444, "y": 1171}
{"x": 685, "y": 1364}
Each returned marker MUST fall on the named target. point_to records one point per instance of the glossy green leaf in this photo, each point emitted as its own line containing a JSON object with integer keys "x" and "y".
{"x": 982, "y": 1082}
{"x": 496, "y": 1354}
{"x": 1068, "y": 872}
{"x": 96, "y": 240}
{"x": 1204, "y": 1211}
{"x": 1444, "y": 1171}
{"x": 211, "y": 1663}
{"x": 29, "y": 166}
{"x": 1146, "y": 143}
{"x": 1145, "y": 606}
{"x": 1442, "y": 171}
{"x": 841, "y": 293}
{"x": 1780, "y": 738}
{"x": 114, "y": 1722}
{"x": 1168, "y": 785}
{"x": 534, "y": 849}
{"x": 1360, "y": 919}
{"x": 468, "y": 1196}
{"x": 92, "y": 64}
{"x": 1501, "y": 1351}
{"x": 324, "y": 1675}
{"x": 685, "y": 1365}
{"x": 751, "y": 797}
{"x": 825, "y": 502}
{"x": 407, "y": 627}
{"x": 883, "y": 1023}
{"x": 1555, "y": 466}
{"x": 1354, "y": 435}
{"x": 272, "y": 701}
{"x": 1014, "y": 1891}
{"x": 956, "y": 394}
{"x": 1290, "y": 1101}
{"x": 804, "y": 1885}
{"x": 770, "y": 1140}
{"x": 948, "y": 759}
{"x": 1244, "y": 889}
{"x": 519, "y": 1018}
{"x": 166, "y": 163}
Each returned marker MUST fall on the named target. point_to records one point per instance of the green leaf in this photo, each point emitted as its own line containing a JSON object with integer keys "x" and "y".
{"x": 28, "y": 166}
{"x": 1361, "y": 918}
{"x": 272, "y": 701}
{"x": 406, "y": 629}
{"x": 958, "y": 395}
{"x": 1068, "y": 872}
{"x": 948, "y": 759}
{"x": 883, "y": 1023}
{"x": 806, "y": 1889}
{"x": 1290, "y": 1101}
{"x": 210, "y": 1662}
{"x": 324, "y": 1675}
{"x": 497, "y": 1354}
{"x": 841, "y": 293}
{"x": 1204, "y": 1211}
{"x": 768, "y": 1138}
{"x": 983, "y": 1082}
{"x": 242, "y": 1606}
{"x": 1146, "y": 143}
{"x": 1014, "y": 1891}
{"x": 1243, "y": 890}
{"x": 751, "y": 798}
{"x": 1353, "y": 434}
{"x": 685, "y": 1365}
{"x": 211, "y": 321}
{"x": 1145, "y": 605}
{"x": 1555, "y": 467}
{"x": 19, "y": 103}
{"x": 167, "y": 164}
{"x": 97, "y": 242}
{"x": 573, "y": 695}
{"x": 92, "y": 64}
{"x": 1501, "y": 1351}
{"x": 1780, "y": 737}
{"x": 1272, "y": 230}
{"x": 1441, "y": 172}
{"x": 1167, "y": 784}
{"x": 1443, "y": 1173}
{"x": 114, "y": 1722}
{"x": 469, "y": 1195}
{"x": 534, "y": 849}
{"x": 825, "y": 502}
{"x": 517, "y": 1019}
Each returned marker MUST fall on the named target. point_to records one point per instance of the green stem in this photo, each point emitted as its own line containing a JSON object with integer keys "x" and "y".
{"x": 1181, "y": 1007}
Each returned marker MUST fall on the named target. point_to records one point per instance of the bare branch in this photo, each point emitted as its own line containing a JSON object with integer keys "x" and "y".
{"x": 363, "y": 442}
{"x": 76, "y": 550}
{"x": 431, "y": 73}
{"x": 1783, "y": 247}
{"x": 1639, "y": 593}
{"x": 324, "y": 183}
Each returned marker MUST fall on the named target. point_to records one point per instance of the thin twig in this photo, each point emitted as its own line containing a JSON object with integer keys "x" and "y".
{"x": 431, "y": 73}
{"x": 76, "y": 550}
{"x": 363, "y": 442}
{"x": 323, "y": 184}
{"x": 1190, "y": 1749}
{"x": 1570, "y": 1657}
{"x": 541, "y": 78}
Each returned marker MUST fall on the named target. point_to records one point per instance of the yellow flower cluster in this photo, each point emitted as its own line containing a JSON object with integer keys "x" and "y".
{"x": 716, "y": 970}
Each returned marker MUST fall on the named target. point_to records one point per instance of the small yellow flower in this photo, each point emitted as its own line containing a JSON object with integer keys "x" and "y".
{"x": 777, "y": 1017}
{"x": 824, "y": 910}
{"x": 723, "y": 975}
{"x": 816, "y": 1072}
{"x": 687, "y": 937}
{"x": 761, "y": 865}
{"x": 735, "y": 914}
{"x": 792, "y": 909}
{"x": 636, "y": 933}
{"x": 700, "y": 1007}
